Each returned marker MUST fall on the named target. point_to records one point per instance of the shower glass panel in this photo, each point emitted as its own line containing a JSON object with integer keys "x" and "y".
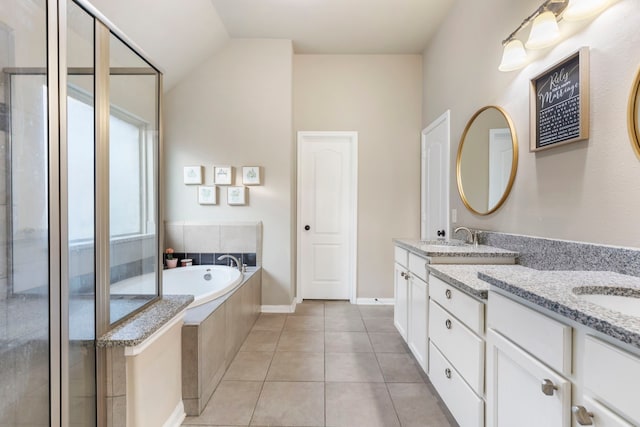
{"x": 24, "y": 215}
{"x": 81, "y": 218}
{"x": 133, "y": 164}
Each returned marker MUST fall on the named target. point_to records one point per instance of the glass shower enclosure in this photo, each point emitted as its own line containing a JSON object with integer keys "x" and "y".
{"x": 79, "y": 197}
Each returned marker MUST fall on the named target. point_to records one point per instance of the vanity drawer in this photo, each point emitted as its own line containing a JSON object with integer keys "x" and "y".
{"x": 542, "y": 336}
{"x": 418, "y": 266}
{"x": 461, "y": 305}
{"x": 602, "y": 416}
{"x": 613, "y": 376}
{"x": 465, "y": 406}
{"x": 401, "y": 256}
{"x": 459, "y": 345}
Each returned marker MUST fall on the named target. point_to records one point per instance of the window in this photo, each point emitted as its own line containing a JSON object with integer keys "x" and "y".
{"x": 129, "y": 151}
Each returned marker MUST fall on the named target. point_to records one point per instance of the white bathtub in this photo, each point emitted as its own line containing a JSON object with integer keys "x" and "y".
{"x": 204, "y": 282}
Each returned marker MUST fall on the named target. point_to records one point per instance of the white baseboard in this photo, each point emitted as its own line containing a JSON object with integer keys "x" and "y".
{"x": 177, "y": 416}
{"x": 375, "y": 301}
{"x": 279, "y": 308}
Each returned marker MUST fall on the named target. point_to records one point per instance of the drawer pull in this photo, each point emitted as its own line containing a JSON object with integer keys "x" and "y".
{"x": 447, "y": 324}
{"x": 447, "y": 293}
{"x": 583, "y": 416}
{"x": 548, "y": 387}
{"x": 447, "y": 373}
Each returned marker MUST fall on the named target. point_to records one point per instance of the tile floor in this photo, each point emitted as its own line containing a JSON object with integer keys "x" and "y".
{"x": 327, "y": 364}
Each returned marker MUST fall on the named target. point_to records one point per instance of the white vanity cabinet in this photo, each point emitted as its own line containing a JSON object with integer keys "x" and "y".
{"x": 528, "y": 360}
{"x": 610, "y": 378}
{"x": 457, "y": 349}
{"x": 410, "y": 311}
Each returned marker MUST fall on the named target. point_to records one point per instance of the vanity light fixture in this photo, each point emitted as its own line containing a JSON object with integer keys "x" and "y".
{"x": 544, "y": 31}
{"x": 544, "y": 28}
{"x": 513, "y": 56}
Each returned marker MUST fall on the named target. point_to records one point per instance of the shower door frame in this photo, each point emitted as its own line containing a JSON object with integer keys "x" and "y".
{"x": 56, "y": 19}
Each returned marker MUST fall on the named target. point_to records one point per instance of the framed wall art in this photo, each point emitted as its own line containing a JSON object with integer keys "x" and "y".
{"x": 208, "y": 195}
{"x": 193, "y": 175}
{"x": 223, "y": 175}
{"x": 237, "y": 196}
{"x": 559, "y": 103}
{"x": 251, "y": 175}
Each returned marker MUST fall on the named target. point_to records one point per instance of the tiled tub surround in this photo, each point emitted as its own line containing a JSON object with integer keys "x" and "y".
{"x": 553, "y": 290}
{"x": 195, "y": 239}
{"x": 500, "y": 256}
{"x": 212, "y": 335}
{"x": 549, "y": 254}
{"x": 208, "y": 258}
{"x": 209, "y": 336}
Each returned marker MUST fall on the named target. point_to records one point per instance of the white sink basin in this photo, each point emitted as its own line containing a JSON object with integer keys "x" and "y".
{"x": 625, "y": 301}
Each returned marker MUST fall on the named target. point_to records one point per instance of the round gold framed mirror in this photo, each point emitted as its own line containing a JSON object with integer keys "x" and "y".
{"x": 487, "y": 160}
{"x": 633, "y": 119}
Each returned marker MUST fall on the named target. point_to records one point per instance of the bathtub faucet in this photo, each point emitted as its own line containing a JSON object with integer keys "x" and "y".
{"x": 238, "y": 264}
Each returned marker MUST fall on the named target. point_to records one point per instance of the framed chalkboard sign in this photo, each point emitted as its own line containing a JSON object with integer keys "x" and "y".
{"x": 559, "y": 103}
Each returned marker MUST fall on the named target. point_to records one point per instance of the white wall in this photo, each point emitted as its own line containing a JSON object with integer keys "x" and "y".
{"x": 235, "y": 109}
{"x": 379, "y": 97}
{"x": 588, "y": 191}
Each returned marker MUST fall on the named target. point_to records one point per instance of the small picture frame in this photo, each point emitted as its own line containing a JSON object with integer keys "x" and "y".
{"x": 236, "y": 196}
{"x": 251, "y": 175}
{"x": 223, "y": 175}
{"x": 207, "y": 195}
{"x": 193, "y": 175}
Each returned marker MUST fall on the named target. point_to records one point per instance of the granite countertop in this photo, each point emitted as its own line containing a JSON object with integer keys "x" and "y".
{"x": 553, "y": 290}
{"x": 465, "y": 276}
{"x": 458, "y": 249}
{"x": 141, "y": 326}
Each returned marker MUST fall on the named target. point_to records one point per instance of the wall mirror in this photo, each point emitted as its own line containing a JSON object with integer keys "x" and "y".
{"x": 634, "y": 115}
{"x": 487, "y": 160}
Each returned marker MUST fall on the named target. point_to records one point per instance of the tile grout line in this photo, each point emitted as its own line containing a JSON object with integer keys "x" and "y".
{"x": 386, "y": 384}
{"x": 253, "y": 413}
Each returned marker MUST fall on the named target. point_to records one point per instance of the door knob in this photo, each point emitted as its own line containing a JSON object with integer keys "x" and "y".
{"x": 307, "y": 227}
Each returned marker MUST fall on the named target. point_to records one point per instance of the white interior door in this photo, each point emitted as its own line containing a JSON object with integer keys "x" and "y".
{"x": 500, "y": 159}
{"x": 435, "y": 179}
{"x": 326, "y": 214}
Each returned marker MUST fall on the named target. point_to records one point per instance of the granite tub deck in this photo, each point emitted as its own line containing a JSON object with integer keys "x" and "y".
{"x": 553, "y": 291}
{"x": 465, "y": 277}
{"x": 141, "y": 326}
{"x": 461, "y": 250}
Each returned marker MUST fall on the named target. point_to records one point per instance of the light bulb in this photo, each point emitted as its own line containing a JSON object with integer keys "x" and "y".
{"x": 583, "y": 9}
{"x": 513, "y": 56}
{"x": 544, "y": 31}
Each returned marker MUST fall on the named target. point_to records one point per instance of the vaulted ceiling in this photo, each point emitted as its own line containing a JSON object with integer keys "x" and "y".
{"x": 181, "y": 34}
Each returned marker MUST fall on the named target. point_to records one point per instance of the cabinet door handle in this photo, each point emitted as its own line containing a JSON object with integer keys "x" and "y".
{"x": 447, "y": 293}
{"x": 447, "y": 373}
{"x": 406, "y": 276}
{"x": 402, "y": 273}
{"x": 447, "y": 324}
{"x": 548, "y": 387}
{"x": 583, "y": 417}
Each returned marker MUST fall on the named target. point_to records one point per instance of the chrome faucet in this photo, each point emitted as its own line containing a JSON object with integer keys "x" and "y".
{"x": 473, "y": 235}
{"x": 238, "y": 264}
